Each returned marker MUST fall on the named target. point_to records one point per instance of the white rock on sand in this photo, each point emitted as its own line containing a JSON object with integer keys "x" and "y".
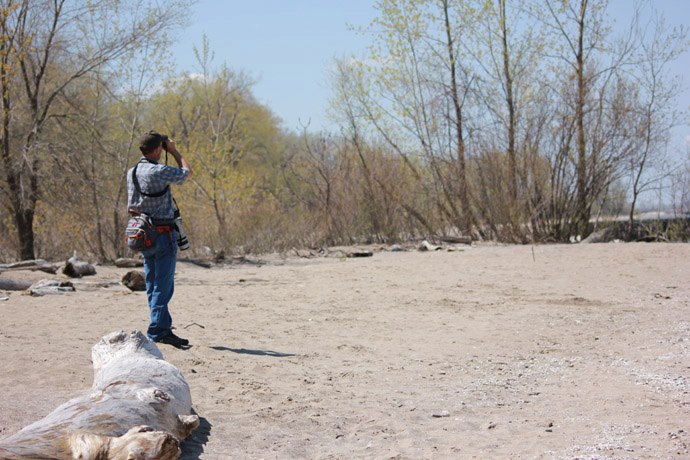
{"x": 556, "y": 351}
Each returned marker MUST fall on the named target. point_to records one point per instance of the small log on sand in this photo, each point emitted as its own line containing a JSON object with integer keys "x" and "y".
{"x": 14, "y": 285}
{"x": 75, "y": 268}
{"x": 138, "y": 407}
{"x": 38, "y": 264}
{"x": 129, "y": 263}
{"x": 49, "y": 287}
{"x": 456, "y": 239}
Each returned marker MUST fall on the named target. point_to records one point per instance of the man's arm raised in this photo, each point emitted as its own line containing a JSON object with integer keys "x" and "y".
{"x": 181, "y": 162}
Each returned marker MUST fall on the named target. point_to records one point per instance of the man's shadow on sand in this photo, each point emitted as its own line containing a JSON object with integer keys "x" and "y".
{"x": 245, "y": 351}
{"x": 193, "y": 446}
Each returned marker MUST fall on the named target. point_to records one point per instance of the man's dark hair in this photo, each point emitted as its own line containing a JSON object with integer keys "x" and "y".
{"x": 150, "y": 141}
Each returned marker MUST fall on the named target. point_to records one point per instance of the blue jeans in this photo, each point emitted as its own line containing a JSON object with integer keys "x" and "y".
{"x": 159, "y": 270}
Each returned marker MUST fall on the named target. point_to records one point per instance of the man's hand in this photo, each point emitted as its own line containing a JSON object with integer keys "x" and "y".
{"x": 170, "y": 146}
{"x": 181, "y": 162}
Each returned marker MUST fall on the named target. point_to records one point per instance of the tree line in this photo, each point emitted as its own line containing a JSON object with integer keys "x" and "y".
{"x": 504, "y": 120}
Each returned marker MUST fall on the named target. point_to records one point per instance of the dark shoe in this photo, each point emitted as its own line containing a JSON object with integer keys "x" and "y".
{"x": 175, "y": 341}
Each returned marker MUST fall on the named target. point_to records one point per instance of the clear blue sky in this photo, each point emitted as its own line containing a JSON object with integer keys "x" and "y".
{"x": 289, "y": 46}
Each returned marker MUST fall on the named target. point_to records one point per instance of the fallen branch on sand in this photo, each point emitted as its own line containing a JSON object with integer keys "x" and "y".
{"x": 129, "y": 263}
{"x": 38, "y": 264}
{"x": 137, "y": 407}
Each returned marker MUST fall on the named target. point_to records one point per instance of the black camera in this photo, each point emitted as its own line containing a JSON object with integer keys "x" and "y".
{"x": 164, "y": 144}
{"x": 182, "y": 241}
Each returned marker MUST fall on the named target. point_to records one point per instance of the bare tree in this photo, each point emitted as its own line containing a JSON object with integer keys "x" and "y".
{"x": 510, "y": 99}
{"x": 412, "y": 93}
{"x": 94, "y": 144}
{"x": 457, "y": 98}
{"x": 52, "y": 45}
{"x": 507, "y": 50}
{"x": 654, "y": 115}
{"x": 593, "y": 104}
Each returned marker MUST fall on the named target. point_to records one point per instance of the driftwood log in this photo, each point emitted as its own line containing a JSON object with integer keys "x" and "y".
{"x": 14, "y": 285}
{"x": 75, "y": 268}
{"x": 38, "y": 264}
{"x": 139, "y": 407}
{"x": 49, "y": 287}
{"x": 129, "y": 263}
{"x": 456, "y": 239}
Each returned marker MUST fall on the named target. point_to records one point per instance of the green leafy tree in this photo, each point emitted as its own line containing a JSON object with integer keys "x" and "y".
{"x": 233, "y": 141}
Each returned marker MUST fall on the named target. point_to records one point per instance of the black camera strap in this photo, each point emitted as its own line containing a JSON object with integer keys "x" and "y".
{"x": 135, "y": 181}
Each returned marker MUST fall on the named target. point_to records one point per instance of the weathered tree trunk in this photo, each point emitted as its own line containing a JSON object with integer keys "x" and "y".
{"x": 510, "y": 103}
{"x": 24, "y": 222}
{"x": 583, "y": 204}
{"x": 467, "y": 218}
{"x": 138, "y": 404}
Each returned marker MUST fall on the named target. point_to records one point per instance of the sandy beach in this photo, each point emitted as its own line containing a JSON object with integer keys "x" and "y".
{"x": 557, "y": 351}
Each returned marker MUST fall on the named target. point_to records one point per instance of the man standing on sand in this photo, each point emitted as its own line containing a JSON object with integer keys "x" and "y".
{"x": 148, "y": 190}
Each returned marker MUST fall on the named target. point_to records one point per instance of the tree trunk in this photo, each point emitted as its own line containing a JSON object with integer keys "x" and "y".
{"x": 510, "y": 102}
{"x": 582, "y": 208}
{"x": 467, "y": 220}
{"x": 24, "y": 221}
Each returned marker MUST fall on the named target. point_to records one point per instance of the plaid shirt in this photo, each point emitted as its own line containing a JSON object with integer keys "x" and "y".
{"x": 153, "y": 178}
